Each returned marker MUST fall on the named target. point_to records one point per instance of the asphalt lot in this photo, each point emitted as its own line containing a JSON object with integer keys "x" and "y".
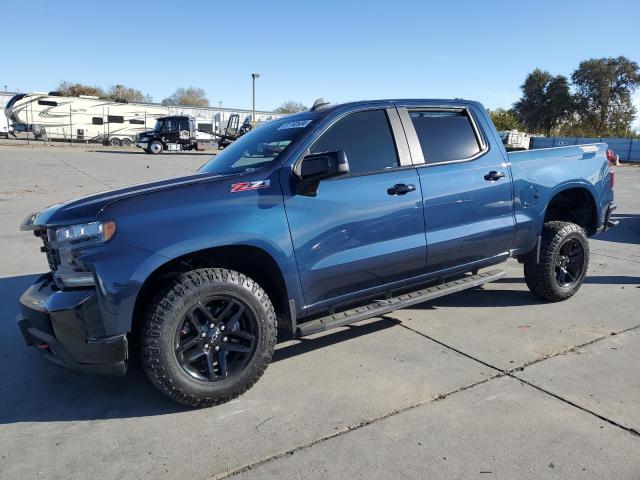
{"x": 487, "y": 383}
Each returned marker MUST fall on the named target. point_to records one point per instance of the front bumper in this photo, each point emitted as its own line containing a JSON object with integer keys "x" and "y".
{"x": 65, "y": 325}
{"x": 142, "y": 144}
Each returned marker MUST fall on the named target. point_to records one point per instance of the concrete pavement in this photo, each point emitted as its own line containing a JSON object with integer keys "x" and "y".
{"x": 488, "y": 383}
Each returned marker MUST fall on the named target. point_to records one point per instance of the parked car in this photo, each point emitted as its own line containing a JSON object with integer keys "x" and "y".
{"x": 310, "y": 222}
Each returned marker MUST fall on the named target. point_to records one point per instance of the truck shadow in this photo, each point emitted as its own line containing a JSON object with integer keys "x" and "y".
{"x": 33, "y": 390}
{"x": 627, "y": 231}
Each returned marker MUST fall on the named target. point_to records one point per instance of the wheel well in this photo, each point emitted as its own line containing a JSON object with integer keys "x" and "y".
{"x": 574, "y": 205}
{"x": 251, "y": 261}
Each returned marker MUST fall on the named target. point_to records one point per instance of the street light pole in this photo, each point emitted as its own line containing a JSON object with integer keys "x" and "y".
{"x": 253, "y": 117}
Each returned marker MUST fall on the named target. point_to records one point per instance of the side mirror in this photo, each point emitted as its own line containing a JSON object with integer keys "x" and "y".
{"x": 319, "y": 166}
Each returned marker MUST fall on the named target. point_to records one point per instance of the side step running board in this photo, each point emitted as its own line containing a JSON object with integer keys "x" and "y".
{"x": 380, "y": 307}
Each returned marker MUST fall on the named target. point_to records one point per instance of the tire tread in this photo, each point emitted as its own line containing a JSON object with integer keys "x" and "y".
{"x": 163, "y": 306}
{"x": 538, "y": 275}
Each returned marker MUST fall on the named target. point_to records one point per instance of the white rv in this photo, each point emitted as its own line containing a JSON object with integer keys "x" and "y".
{"x": 82, "y": 118}
{"x": 5, "y": 126}
{"x": 91, "y": 119}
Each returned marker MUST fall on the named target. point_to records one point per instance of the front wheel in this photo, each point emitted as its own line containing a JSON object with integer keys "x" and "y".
{"x": 209, "y": 337}
{"x": 156, "y": 147}
{"x": 564, "y": 259}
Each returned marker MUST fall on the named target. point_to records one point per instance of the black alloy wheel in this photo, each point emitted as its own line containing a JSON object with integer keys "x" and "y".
{"x": 216, "y": 338}
{"x": 208, "y": 336}
{"x": 569, "y": 263}
{"x": 563, "y": 262}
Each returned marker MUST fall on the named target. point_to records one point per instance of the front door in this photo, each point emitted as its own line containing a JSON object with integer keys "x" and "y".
{"x": 358, "y": 233}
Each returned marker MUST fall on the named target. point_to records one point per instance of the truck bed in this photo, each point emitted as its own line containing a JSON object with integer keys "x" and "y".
{"x": 540, "y": 174}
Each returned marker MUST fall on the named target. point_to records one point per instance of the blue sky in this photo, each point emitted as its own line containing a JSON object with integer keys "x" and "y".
{"x": 340, "y": 50}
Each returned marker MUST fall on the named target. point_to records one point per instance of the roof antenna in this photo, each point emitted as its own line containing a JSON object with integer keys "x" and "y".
{"x": 319, "y": 104}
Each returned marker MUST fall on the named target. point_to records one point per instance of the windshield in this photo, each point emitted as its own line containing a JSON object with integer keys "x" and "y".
{"x": 159, "y": 123}
{"x": 260, "y": 147}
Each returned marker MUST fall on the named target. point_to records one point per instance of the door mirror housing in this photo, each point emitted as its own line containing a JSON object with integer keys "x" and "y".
{"x": 319, "y": 166}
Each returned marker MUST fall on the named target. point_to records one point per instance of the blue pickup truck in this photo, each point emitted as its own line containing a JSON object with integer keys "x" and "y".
{"x": 308, "y": 223}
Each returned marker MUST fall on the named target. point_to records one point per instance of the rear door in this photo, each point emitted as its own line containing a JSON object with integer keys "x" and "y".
{"x": 359, "y": 233}
{"x": 466, "y": 186}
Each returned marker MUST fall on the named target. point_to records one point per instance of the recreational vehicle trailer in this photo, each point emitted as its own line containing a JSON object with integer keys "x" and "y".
{"x": 5, "y": 126}
{"x": 83, "y": 118}
{"x": 91, "y": 119}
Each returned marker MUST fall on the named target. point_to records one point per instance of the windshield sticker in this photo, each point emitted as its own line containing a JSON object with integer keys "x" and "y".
{"x": 296, "y": 124}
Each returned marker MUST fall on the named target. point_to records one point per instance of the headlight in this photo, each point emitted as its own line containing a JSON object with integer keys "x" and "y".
{"x": 72, "y": 272}
{"x": 86, "y": 233}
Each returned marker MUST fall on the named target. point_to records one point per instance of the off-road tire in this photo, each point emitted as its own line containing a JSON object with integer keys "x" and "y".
{"x": 541, "y": 277}
{"x": 167, "y": 311}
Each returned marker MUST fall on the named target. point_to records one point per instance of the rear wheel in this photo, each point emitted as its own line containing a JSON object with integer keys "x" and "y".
{"x": 209, "y": 337}
{"x": 564, "y": 260}
{"x": 126, "y": 142}
{"x": 115, "y": 142}
{"x": 156, "y": 147}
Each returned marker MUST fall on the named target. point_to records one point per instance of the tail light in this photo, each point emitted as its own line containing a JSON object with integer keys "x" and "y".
{"x": 610, "y": 156}
{"x": 612, "y": 176}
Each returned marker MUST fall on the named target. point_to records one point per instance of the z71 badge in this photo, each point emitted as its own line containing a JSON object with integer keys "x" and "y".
{"x": 246, "y": 186}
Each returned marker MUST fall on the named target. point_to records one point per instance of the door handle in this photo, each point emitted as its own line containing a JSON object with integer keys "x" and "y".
{"x": 401, "y": 189}
{"x": 493, "y": 175}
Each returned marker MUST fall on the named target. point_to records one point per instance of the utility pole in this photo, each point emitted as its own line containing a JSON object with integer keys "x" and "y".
{"x": 253, "y": 117}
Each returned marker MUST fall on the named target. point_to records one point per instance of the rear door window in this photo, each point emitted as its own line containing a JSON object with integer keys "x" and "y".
{"x": 445, "y": 136}
{"x": 365, "y": 137}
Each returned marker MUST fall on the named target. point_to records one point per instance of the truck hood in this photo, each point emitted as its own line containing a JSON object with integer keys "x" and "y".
{"x": 148, "y": 133}
{"x": 86, "y": 209}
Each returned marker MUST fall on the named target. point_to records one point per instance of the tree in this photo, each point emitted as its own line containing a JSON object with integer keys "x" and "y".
{"x": 546, "y": 101}
{"x": 603, "y": 94}
{"x": 291, "y": 107}
{"x": 69, "y": 89}
{"x": 190, "y": 97}
{"x": 120, "y": 93}
{"x": 505, "y": 119}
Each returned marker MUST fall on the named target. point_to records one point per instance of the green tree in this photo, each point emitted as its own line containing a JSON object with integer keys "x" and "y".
{"x": 69, "y": 89}
{"x": 120, "y": 93}
{"x": 190, "y": 97}
{"x": 603, "y": 94}
{"x": 291, "y": 107}
{"x": 505, "y": 119}
{"x": 546, "y": 101}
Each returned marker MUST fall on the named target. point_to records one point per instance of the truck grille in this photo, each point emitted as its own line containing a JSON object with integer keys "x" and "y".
{"x": 53, "y": 257}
